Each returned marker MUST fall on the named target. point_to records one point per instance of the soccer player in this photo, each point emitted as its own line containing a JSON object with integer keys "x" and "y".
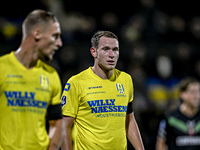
{"x": 30, "y": 89}
{"x": 99, "y": 102}
{"x": 180, "y": 129}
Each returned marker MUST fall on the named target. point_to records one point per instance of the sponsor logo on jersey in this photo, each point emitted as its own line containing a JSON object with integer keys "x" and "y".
{"x": 14, "y": 76}
{"x": 44, "y": 81}
{"x": 107, "y": 105}
{"x": 120, "y": 88}
{"x": 67, "y": 87}
{"x": 23, "y": 99}
{"x": 94, "y": 87}
{"x": 188, "y": 140}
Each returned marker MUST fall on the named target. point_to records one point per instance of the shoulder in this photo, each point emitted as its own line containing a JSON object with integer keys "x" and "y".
{"x": 122, "y": 74}
{"x": 80, "y": 76}
{"x": 174, "y": 113}
{"x": 46, "y": 67}
{"x": 5, "y": 57}
{"x": 5, "y": 61}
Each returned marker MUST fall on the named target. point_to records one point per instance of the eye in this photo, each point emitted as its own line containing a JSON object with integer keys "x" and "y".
{"x": 56, "y": 36}
{"x": 115, "y": 49}
{"x": 106, "y": 48}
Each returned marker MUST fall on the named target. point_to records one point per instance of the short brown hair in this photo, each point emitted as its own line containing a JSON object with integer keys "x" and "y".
{"x": 96, "y": 37}
{"x": 37, "y": 17}
{"x": 183, "y": 85}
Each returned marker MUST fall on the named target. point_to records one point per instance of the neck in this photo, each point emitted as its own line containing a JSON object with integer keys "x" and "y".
{"x": 103, "y": 74}
{"x": 187, "y": 110}
{"x": 27, "y": 58}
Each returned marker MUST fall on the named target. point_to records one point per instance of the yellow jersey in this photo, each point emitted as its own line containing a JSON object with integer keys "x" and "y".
{"x": 25, "y": 95}
{"x": 99, "y": 107}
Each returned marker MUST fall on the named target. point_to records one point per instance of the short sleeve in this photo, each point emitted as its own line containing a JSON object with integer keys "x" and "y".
{"x": 57, "y": 89}
{"x": 131, "y": 89}
{"x": 70, "y": 99}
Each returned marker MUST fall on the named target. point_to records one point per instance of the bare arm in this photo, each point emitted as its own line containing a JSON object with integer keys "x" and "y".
{"x": 55, "y": 134}
{"x": 67, "y": 142}
{"x": 133, "y": 132}
{"x": 160, "y": 144}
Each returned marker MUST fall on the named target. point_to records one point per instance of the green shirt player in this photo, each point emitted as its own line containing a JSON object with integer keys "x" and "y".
{"x": 98, "y": 101}
{"x": 30, "y": 89}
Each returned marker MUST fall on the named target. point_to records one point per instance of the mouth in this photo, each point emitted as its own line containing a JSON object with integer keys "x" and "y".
{"x": 111, "y": 62}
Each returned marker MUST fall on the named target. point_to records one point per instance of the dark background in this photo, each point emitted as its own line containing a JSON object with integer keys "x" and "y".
{"x": 156, "y": 37}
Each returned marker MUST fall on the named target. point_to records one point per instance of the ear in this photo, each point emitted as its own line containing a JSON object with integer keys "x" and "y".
{"x": 182, "y": 95}
{"x": 93, "y": 52}
{"x": 37, "y": 34}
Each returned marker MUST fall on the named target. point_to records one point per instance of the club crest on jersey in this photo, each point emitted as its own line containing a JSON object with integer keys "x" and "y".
{"x": 44, "y": 81}
{"x": 120, "y": 88}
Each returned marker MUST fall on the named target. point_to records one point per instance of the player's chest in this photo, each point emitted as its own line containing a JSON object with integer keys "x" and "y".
{"x": 26, "y": 84}
{"x": 185, "y": 132}
{"x": 106, "y": 93}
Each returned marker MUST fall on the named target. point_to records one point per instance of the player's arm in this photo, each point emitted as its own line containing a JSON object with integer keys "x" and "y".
{"x": 56, "y": 127}
{"x": 67, "y": 142}
{"x": 70, "y": 101}
{"x": 55, "y": 134}
{"x": 132, "y": 130}
{"x": 162, "y": 136}
{"x": 160, "y": 144}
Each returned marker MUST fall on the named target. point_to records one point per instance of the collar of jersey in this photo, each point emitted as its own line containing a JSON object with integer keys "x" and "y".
{"x": 17, "y": 63}
{"x": 112, "y": 78}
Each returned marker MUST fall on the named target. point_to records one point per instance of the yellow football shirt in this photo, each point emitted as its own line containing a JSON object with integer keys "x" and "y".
{"x": 25, "y": 95}
{"x": 99, "y": 108}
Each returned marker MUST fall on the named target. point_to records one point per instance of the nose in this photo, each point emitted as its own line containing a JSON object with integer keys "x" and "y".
{"x": 111, "y": 53}
{"x": 59, "y": 42}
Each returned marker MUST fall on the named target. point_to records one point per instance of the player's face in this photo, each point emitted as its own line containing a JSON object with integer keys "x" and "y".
{"x": 192, "y": 95}
{"x": 107, "y": 53}
{"x": 50, "y": 41}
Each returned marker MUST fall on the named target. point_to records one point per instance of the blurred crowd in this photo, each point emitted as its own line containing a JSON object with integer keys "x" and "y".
{"x": 159, "y": 45}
